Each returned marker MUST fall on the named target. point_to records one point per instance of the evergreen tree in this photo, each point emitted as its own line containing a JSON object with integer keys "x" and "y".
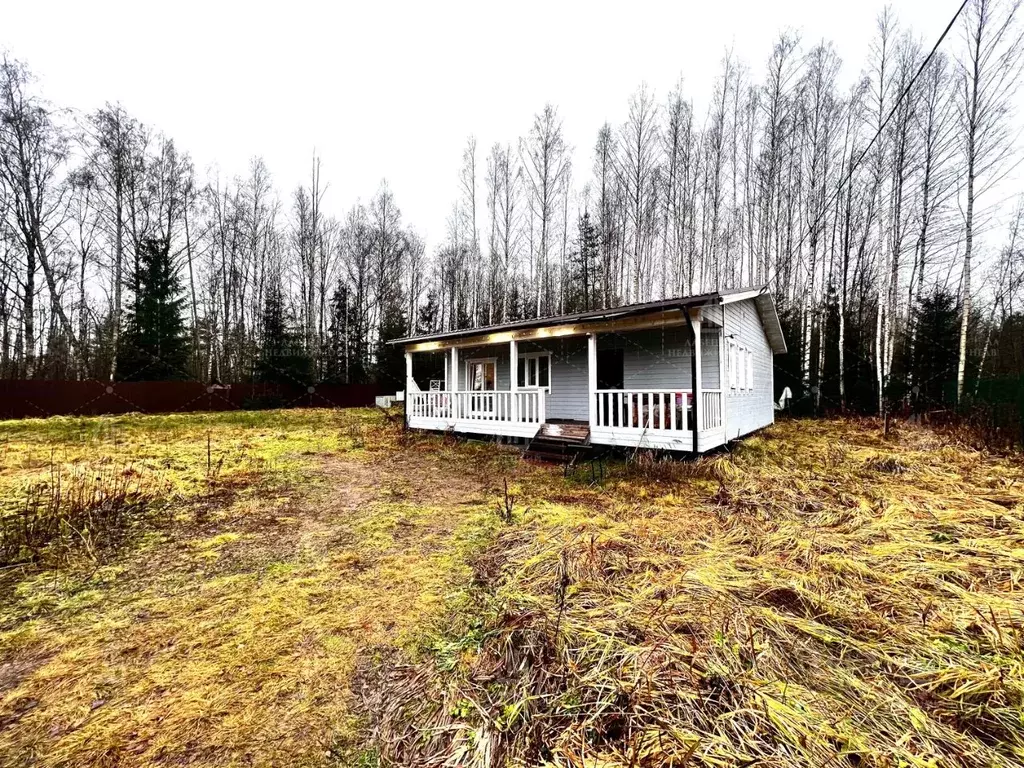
{"x": 787, "y": 367}
{"x": 389, "y": 371}
{"x": 516, "y": 310}
{"x": 357, "y": 347}
{"x": 828, "y": 376}
{"x": 426, "y": 318}
{"x": 935, "y": 352}
{"x": 155, "y": 344}
{"x": 336, "y": 365}
{"x": 584, "y": 262}
{"x": 282, "y": 359}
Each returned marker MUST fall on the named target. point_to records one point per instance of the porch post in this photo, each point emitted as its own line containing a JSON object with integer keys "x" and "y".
{"x": 513, "y": 377}
{"x": 592, "y": 376}
{"x": 698, "y": 383}
{"x": 693, "y": 320}
{"x": 408, "y": 385}
{"x": 454, "y": 383}
{"x": 722, "y": 373}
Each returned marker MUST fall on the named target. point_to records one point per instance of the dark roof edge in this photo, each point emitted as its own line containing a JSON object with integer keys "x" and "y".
{"x": 769, "y": 315}
{"x": 591, "y": 315}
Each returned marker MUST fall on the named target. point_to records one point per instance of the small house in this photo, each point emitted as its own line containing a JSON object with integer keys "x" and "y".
{"x": 683, "y": 374}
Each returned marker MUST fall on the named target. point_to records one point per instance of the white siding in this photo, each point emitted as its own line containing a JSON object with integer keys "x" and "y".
{"x": 568, "y": 396}
{"x": 660, "y": 358}
{"x": 498, "y": 351}
{"x": 746, "y": 411}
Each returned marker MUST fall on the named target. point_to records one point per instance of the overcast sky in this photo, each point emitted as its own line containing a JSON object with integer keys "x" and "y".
{"x": 392, "y": 90}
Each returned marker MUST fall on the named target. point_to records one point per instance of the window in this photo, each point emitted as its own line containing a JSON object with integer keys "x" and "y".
{"x": 534, "y": 370}
{"x": 481, "y": 375}
{"x": 741, "y": 367}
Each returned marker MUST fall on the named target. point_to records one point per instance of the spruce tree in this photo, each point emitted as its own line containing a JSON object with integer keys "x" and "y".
{"x": 935, "y": 353}
{"x": 584, "y": 261}
{"x": 282, "y": 359}
{"x": 389, "y": 371}
{"x": 426, "y": 319}
{"x": 336, "y": 365}
{"x": 358, "y": 346}
{"x": 155, "y": 344}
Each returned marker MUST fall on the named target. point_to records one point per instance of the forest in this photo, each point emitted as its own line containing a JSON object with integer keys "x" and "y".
{"x": 871, "y": 197}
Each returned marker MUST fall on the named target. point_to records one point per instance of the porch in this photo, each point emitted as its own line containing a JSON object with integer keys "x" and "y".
{"x": 506, "y": 413}
{"x": 631, "y": 386}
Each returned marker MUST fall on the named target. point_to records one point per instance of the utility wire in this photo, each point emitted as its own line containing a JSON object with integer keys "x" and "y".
{"x": 882, "y": 127}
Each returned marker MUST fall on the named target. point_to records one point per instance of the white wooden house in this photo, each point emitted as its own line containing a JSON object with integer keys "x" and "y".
{"x": 684, "y": 374}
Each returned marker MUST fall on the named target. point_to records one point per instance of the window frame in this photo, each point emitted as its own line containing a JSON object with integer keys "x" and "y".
{"x": 524, "y": 356}
{"x": 475, "y": 360}
{"x": 741, "y": 367}
{"x": 733, "y": 362}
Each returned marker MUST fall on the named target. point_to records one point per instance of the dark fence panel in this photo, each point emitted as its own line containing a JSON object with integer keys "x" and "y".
{"x": 28, "y": 398}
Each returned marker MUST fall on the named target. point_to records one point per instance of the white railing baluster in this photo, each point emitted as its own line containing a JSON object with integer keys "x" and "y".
{"x": 656, "y": 410}
{"x": 653, "y": 409}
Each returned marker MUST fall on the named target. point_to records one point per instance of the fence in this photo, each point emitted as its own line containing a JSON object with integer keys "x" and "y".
{"x": 30, "y": 398}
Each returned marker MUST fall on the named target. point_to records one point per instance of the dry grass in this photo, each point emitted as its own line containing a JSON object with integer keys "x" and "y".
{"x": 229, "y": 635}
{"x": 325, "y": 590}
{"x": 820, "y": 597}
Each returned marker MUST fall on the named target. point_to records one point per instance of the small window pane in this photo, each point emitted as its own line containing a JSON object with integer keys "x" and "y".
{"x": 522, "y": 373}
{"x": 544, "y": 376}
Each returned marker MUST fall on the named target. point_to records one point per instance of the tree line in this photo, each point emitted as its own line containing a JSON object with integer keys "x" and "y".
{"x": 860, "y": 201}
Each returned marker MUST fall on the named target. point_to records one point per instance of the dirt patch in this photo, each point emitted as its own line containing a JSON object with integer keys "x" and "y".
{"x": 426, "y": 476}
{"x": 14, "y": 671}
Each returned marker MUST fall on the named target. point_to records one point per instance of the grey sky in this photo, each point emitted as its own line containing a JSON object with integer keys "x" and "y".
{"x": 392, "y": 90}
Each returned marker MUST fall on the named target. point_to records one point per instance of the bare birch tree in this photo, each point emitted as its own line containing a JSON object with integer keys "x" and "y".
{"x": 989, "y": 72}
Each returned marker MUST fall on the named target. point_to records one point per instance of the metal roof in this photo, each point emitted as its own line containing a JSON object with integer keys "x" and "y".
{"x": 766, "y": 308}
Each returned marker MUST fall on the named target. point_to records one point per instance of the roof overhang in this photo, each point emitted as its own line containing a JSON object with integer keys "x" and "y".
{"x": 657, "y": 314}
{"x": 766, "y": 311}
{"x": 649, "y": 314}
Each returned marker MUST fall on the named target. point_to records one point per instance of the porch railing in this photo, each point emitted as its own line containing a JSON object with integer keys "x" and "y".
{"x": 526, "y": 407}
{"x": 655, "y": 409}
{"x": 711, "y": 403}
{"x": 669, "y": 410}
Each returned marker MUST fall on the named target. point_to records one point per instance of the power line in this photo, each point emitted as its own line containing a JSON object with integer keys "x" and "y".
{"x": 883, "y": 126}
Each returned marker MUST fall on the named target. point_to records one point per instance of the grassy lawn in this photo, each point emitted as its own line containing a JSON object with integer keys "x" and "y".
{"x": 316, "y": 588}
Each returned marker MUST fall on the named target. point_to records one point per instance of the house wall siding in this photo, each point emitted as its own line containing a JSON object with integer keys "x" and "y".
{"x": 568, "y": 396}
{"x": 569, "y": 386}
{"x": 660, "y": 358}
{"x": 499, "y": 352}
{"x": 746, "y": 411}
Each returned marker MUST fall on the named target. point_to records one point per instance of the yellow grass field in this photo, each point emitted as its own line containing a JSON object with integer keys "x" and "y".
{"x": 318, "y": 588}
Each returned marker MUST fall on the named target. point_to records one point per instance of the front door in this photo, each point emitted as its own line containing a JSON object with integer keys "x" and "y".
{"x": 610, "y": 369}
{"x": 610, "y": 375}
{"x": 481, "y": 379}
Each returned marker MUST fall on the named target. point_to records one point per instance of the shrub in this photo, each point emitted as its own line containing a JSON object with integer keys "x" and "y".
{"x": 75, "y": 511}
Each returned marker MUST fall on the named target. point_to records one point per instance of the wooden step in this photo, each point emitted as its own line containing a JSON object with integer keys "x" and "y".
{"x": 559, "y": 443}
{"x": 579, "y": 433}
